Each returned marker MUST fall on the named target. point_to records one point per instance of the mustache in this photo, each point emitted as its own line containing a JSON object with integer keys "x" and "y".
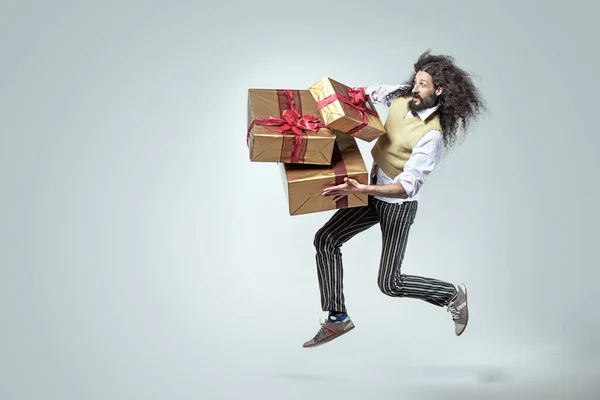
{"x": 417, "y": 96}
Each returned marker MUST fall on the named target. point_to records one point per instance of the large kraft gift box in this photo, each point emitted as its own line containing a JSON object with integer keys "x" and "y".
{"x": 347, "y": 109}
{"x": 284, "y": 126}
{"x": 303, "y": 184}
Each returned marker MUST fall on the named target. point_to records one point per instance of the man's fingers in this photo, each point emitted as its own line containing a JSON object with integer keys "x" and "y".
{"x": 343, "y": 189}
{"x": 338, "y": 196}
{"x": 331, "y": 189}
{"x": 351, "y": 182}
{"x": 337, "y": 193}
{"x": 335, "y": 188}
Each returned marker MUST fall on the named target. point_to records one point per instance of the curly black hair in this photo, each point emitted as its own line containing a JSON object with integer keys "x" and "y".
{"x": 460, "y": 102}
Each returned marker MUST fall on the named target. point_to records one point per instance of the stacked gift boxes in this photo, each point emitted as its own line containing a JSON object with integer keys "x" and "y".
{"x": 312, "y": 135}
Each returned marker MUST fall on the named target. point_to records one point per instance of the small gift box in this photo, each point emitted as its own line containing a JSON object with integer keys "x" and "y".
{"x": 347, "y": 109}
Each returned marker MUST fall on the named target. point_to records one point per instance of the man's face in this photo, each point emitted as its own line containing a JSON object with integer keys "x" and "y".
{"x": 424, "y": 93}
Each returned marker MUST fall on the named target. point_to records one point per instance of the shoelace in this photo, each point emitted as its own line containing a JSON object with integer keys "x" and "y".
{"x": 453, "y": 311}
{"x": 322, "y": 329}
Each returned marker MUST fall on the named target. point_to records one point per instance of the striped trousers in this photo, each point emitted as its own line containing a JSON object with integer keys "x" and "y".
{"x": 395, "y": 220}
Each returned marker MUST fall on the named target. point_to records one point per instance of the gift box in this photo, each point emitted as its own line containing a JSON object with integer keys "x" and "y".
{"x": 284, "y": 126}
{"x": 303, "y": 184}
{"x": 347, "y": 109}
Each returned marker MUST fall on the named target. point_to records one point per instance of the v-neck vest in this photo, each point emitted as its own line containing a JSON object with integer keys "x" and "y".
{"x": 393, "y": 149}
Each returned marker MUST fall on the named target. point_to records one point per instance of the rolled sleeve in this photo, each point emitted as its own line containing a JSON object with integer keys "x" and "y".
{"x": 378, "y": 92}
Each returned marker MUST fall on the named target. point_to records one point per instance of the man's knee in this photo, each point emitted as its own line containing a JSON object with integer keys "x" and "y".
{"x": 390, "y": 286}
{"x": 387, "y": 288}
{"x": 325, "y": 239}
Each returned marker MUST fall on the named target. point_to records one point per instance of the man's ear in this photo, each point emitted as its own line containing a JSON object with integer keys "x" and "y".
{"x": 439, "y": 90}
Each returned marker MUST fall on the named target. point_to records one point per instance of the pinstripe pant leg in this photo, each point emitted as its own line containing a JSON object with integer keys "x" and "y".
{"x": 343, "y": 225}
{"x": 396, "y": 220}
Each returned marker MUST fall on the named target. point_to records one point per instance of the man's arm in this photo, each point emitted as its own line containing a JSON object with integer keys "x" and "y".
{"x": 378, "y": 92}
{"x": 393, "y": 190}
{"x": 424, "y": 158}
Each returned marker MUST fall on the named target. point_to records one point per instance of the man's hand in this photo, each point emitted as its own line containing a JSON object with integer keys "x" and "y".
{"x": 349, "y": 186}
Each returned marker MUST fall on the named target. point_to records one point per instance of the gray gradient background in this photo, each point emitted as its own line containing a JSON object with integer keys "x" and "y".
{"x": 145, "y": 257}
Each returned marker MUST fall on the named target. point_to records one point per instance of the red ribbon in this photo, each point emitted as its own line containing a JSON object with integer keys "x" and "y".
{"x": 340, "y": 172}
{"x": 357, "y": 98}
{"x": 293, "y": 121}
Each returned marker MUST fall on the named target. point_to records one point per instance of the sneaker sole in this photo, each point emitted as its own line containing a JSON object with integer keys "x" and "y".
{"x": 467, "y": 307}
{"x": 330, "y": 339}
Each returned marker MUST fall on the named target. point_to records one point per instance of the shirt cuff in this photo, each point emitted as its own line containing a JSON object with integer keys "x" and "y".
{"x": 408, "y": 182}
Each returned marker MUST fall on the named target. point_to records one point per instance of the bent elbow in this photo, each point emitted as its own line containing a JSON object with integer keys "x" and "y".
{"x": 412, "y": 189}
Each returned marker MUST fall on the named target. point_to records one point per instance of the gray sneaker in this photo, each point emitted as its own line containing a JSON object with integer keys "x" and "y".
{"x": 329, "y": 331}
{"x": 459, "y": 309}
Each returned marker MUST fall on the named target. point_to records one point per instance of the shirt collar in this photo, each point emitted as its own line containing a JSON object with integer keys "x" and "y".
{"x": 424, "y": 114}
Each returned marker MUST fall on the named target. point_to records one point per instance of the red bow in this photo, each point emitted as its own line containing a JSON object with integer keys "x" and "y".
{"x": 358, "y": 97}
{"x": 291, "y": 120}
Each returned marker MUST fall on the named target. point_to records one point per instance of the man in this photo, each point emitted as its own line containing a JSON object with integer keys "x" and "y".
{"x": 425, "y": 116}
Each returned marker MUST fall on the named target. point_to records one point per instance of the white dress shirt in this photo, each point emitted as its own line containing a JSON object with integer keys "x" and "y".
{"x": 426, "y": 154}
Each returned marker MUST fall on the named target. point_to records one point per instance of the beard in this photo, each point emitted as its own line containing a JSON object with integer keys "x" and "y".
{"x": 423, "y": 104}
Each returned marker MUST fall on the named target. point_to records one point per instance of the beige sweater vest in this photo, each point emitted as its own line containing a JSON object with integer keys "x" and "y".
{"x": 392, "y": 150}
